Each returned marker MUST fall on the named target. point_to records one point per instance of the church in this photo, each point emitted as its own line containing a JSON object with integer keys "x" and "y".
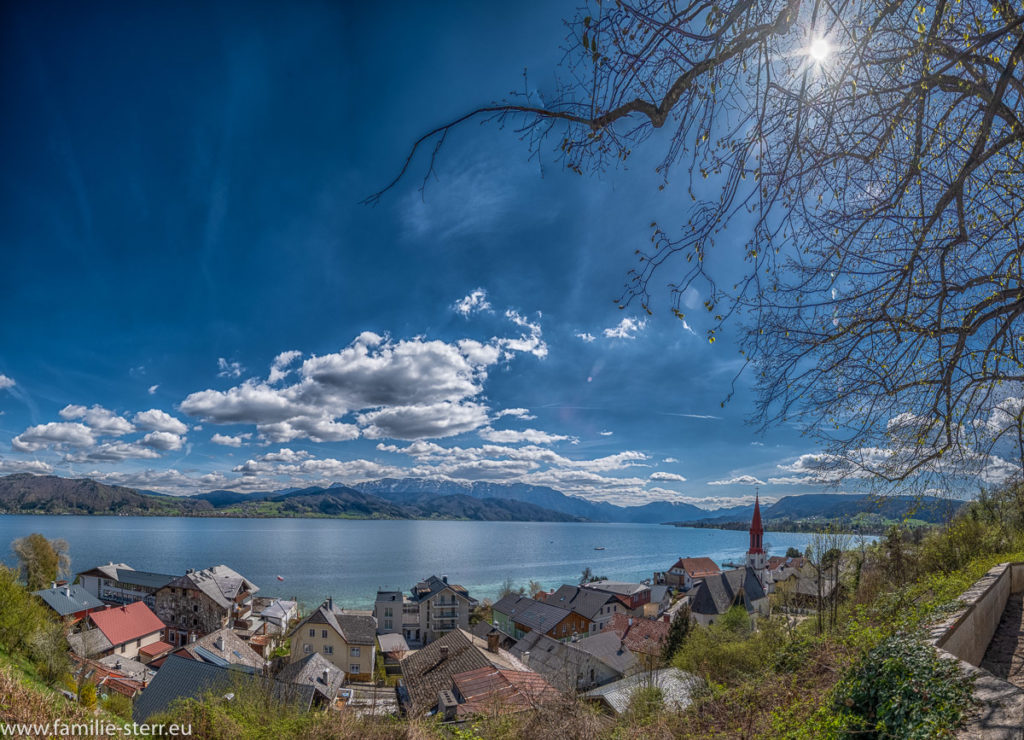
{"x": 747, "y": 586}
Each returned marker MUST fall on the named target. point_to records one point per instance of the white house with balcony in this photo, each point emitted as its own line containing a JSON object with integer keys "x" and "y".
{"x": 432, "y": 608}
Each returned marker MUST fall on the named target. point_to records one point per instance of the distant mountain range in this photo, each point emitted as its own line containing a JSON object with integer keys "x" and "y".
{"x": 413, "y": 498}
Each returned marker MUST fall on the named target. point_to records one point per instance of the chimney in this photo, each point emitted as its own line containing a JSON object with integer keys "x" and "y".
{"x": 444, "y": 652}
{"x": 327, "y": 677}
{"x": 219, "y": 642}
{"x": 117, "y": 665}
{"x": 330, "y": 603}
{"x": 492, "y": 641}
{"x": 630, "y": 623}
{"x": 447, "y": 706}
{"x": 666, "y": 619}
{"x": 53, "y": 584}
{"x": 67, "y": 591}
{"x": 526, "y": 657}
{"x": 444, "y": 578}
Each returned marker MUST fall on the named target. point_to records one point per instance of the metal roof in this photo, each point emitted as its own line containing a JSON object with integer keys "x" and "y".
{"x": 67, "y": 600}
{"x": 677, "y": 688}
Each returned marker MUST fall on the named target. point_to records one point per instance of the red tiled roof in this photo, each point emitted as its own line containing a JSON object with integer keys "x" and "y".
{"x": 642, "y": 636}
{"x": 156, "y": 648}
{"x": 698, "y": 567}
{"x": 121, "y": 624}
{"x": 493, "y": 689}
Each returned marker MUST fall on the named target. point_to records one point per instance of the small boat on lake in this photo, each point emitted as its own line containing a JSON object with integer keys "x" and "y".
{"x": 598, "y": 548}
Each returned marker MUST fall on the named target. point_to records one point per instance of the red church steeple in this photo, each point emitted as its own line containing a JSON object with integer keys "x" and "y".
{"x": 756, "y": 530}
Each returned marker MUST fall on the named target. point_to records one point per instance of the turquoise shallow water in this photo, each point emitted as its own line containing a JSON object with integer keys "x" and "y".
{"x": 350, "y": 559}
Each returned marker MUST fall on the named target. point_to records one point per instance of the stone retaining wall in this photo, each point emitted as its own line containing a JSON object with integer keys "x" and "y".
{"x": 966, "y": 634}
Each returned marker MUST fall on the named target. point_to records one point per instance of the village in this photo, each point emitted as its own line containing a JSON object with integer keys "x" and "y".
{"x": 432, "y": 651}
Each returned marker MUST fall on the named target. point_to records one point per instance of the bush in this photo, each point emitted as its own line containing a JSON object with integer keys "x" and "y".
{"x": 118, "y": 705}
{"x": 902, "y": 688}
{"x": 87, "y": 695}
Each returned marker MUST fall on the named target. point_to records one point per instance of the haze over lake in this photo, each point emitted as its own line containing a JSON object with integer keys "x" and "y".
{"x": 351, "y": 559}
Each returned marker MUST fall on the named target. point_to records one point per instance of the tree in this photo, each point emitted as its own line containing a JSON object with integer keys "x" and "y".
{"x": 677, "y": 633}
{"x": 793, "y": 552}
{"x": 587, "y": 575}
{"x": 862, "y": 161}
{"x": 508, "y": 587}
{"x": 41, "y": 560}
{"x": 534, "y": 588}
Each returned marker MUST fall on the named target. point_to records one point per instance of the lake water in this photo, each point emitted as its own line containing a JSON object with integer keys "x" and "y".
{"x": 351, "y": 559}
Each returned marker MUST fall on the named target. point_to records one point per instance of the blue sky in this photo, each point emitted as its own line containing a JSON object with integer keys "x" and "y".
{"x": 195, "y": 299}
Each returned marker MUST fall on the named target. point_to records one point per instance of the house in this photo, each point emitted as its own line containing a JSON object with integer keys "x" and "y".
{"x": 634, "y": 596}
{"x": 204, "y": 601}
{"x": 105, "y": 678}
{"x": 133, "y": 670}
{"x": 596, "y": 607}
{"x": 483, "y": 629}
{"x": 493, "y": 691}
{"x": 349, "y": 641}
{"x": 432, "y": 608}
{"x": 89, "y": 643}
{"x": 223, "y": 648}
{"x": 70, "y": 603}
{"x": 429, "y": 671}
{"x": 661, "y": 601}
{"x": 608, "y": 648}
{"x": 677, "y": 689}
{"x": 128, "y": 628}
{"x": 119, "y": 583}
{"x": 563, "y": 664}
{"x": 180, "y": 678}
{"x": 516, "y": 615}
{"x": 277, "y": 613}
{"x": 714, "y": 596}
{"x": 316, "y": 671}
{"x": 687, "y": 571}
{"x": 645, "y": 638}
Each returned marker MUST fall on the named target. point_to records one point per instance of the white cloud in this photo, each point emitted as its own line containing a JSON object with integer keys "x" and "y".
{"x": 6, "y": 382}
{"x": 229, "y": 441}
{"x": 9, "y": 466}
{"x": 518, "y": 413}
{"x": 739, "y": 480}
{"x": 114, "y": 452}
{"x": 423, "y": 421}
{"x": 475, "y": 302}
{"x": 317, "y": 429}
{"x": 156, "y": 420}
{"x": 279, "y": 367}
{"x": 229, "y": 369}
{"x": 628, "y": 328}
{"x": 671, "y": 460}
{"x": 586, "y": 336}
{"x": 606, "y": 433}
{"x": 152, "y": 389}
{"x": 530, "y": 341}
{"x": 511, "y": 436}
{"x": 662, "y": 476}
{"x": 61, "y": 433}
{"x": 102, "y": 421}
{"x": 166, "y": 441}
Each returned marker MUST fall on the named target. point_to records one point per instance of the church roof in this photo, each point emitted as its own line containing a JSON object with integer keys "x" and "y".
{"x": 717, "y": 594}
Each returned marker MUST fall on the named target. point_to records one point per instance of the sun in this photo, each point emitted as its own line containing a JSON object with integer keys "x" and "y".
{"x": 819, "y": 50}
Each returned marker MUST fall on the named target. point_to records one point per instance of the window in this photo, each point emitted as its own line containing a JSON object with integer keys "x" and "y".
{"x": 387, "y": 612}
{"x": 312, "y": 632}
{"x": 307, "y": 648}
{"x": 354, "y": 668}
{"x": 387, "y": 624}
{"x": 354, "y": 652}
{"x": 195, "y": 608}
{"x": 328, "y": 649}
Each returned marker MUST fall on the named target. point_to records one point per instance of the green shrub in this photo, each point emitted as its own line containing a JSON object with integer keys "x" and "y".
{"x": 118, "y": 705}
{"x": 87, "y": 695}
{"x": 902, "y": 688}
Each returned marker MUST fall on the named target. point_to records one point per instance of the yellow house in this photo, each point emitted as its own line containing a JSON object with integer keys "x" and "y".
{"x": 348, "y": 641}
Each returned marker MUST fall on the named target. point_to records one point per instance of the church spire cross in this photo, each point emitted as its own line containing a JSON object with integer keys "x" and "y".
{"x": 756, "y": 530}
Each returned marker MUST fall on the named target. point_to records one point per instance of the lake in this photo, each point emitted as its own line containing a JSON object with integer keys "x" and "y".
{"x": 351, "y": 559}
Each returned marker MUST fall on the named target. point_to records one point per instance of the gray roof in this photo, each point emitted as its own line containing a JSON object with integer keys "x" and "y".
{"x": 563, "y": 664}
{"x": 717, "y": 594}
{"x": 677, "y": 689}
{"x": 182, "y": 678}
{"x": 585, "y": 602}
{"x": 388, "y": 596}
{"x": 235, "y": 650}
{"x": 608, "y": 648}
{"x": 67, "y": 600}
{"x": 279, "y": 609}
{"x": 355, "y": 629}
{"x": 309, "y": 671}
{"x": 220, "y": 583}
{"x": 393, "y": 643}
{"x": 133, "y": 669}
{"x": 482, "y": 629}
{"x": 531, "y": 614}
{"x": 658, "y": 593}
{"x": 434, "y": 585}
{"x": 89, "y": 643}
{"x": 624, "y": 588}
{"x": 143, "y": 578}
